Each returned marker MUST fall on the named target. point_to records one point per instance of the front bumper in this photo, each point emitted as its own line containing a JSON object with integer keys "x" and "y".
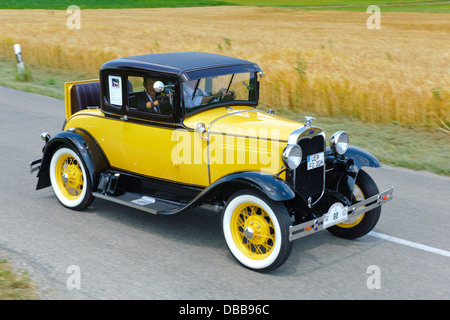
{"x": 312, "y": 226}
{"x": 35, "y": 165}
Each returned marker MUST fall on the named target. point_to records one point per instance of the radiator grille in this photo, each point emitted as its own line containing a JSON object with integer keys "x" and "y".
{"x": 310, "y": 183}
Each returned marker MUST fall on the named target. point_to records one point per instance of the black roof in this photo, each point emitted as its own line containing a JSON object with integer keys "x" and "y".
{"x": 186, "y": 65}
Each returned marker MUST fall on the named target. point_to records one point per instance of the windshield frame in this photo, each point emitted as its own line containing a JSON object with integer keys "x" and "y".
{"x": 252, "y": 81}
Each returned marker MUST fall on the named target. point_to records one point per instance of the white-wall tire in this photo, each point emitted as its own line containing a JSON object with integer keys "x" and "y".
{"x": 69, "y": 179}
{"x": 256, "y": 230}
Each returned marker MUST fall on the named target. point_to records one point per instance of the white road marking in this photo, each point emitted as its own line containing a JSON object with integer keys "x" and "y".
{"x": 410, "y": 243}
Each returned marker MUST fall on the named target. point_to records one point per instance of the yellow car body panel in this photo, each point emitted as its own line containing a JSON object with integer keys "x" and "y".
{"x": 242, "y": 139}
{"x": 68, "y": 95}
{"x": 134, "y": 147}
{"x": 244, "y": 120}
{"x": 181, "y": 155}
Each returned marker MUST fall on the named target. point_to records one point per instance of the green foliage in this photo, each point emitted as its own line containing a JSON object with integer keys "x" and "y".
{"x": 109, "y": 4}
{"x": 353, "y": 5}
{"x": 301, "y": 67}
{"x": 225, "y": 45}
{"x": 51, "y": 81}
{"x": 24, "y": 76}
{"x": 15, "y": 285}
{"x": 436, "y": 93}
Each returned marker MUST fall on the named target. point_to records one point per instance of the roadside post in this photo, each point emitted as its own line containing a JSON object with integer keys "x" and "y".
{"x": 20, "y": 64}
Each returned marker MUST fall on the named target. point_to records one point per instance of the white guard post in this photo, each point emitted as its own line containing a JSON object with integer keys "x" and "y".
{"x": 20, "y": 64}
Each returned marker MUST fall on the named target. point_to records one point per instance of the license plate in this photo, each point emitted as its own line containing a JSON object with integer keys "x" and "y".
{"x": 336, "y": 214}
{"x": 315, "y": 160}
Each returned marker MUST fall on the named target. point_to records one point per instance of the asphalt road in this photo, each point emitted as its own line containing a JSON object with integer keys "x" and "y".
{"x": 122, "y": 253}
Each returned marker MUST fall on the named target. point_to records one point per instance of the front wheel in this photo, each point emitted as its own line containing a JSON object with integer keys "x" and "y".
{"x": 69, "y": 179}
{"x": 256, "y": 230}
{"x": 360, "y": 225}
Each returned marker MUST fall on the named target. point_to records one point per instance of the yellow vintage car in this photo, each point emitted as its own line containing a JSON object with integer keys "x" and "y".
{"x": 167, "y": 132}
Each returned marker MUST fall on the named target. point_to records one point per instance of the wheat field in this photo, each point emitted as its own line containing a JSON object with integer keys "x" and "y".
{"x": 318, "y": 61}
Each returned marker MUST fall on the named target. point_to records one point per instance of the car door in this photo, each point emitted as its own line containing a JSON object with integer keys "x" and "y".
{"x": 191, "y": 156}
{"x": 147, "y": 132}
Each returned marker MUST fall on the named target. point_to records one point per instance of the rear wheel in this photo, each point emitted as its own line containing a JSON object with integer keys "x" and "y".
{"x": 256, "y": 230}
{"x": 69, "y": 179}
{"x": 360, "y": 225}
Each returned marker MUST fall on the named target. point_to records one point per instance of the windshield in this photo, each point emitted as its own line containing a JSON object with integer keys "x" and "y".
{"x": 238, "y": 87}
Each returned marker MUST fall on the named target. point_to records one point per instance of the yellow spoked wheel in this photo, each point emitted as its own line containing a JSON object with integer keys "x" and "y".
{"x": 359, "y": 226}
{"x": 256, "y": 230}
{"x": 253, "y": 231}
{"x": 69, "y": 179}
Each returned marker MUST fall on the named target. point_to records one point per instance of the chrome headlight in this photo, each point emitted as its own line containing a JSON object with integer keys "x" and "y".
{"x": 292, "y": 156}
{"x": 339, "y": 142}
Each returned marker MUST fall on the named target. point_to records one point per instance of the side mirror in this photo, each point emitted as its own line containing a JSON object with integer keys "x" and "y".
{"x": 158, "y": 86}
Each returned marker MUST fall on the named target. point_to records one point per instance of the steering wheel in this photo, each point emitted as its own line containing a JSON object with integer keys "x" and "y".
{"x": 218, "y": 95}
{"x": 229, "y": 96}
{"x": 222, "y": 97}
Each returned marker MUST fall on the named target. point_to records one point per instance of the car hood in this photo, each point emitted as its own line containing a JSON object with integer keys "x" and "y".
{"x": 245, "y": 121}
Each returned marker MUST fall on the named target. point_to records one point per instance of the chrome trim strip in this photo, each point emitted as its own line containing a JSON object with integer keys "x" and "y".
{"x": 229, "y": 114}
{"x": 298, "y": 134}
{"x": 246, "y": 136}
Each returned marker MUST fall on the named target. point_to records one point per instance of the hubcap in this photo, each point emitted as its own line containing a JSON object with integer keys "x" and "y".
{"x": 248, "y": 232}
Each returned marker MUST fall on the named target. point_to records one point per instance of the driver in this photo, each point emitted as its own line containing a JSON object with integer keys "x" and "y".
{"x": 201, "y": 96}
{"x": 150, "y": 100}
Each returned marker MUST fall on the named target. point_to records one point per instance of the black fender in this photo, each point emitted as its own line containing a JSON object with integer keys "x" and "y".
{"x": 361, "y": 158}
{"x": 272, "y": 186}
{"x": 346, "y": 168}
{"x": 87, "y": 148}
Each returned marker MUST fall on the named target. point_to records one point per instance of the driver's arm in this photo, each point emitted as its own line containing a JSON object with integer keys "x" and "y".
{"x": 152, "y": 104}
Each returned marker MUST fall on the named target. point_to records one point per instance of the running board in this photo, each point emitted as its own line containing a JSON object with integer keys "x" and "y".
{"x": 142, "y": 202}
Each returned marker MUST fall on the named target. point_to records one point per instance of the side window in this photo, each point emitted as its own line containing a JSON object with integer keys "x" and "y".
{"x": 113, "y": 89}
{"x": 144, "y": 98}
